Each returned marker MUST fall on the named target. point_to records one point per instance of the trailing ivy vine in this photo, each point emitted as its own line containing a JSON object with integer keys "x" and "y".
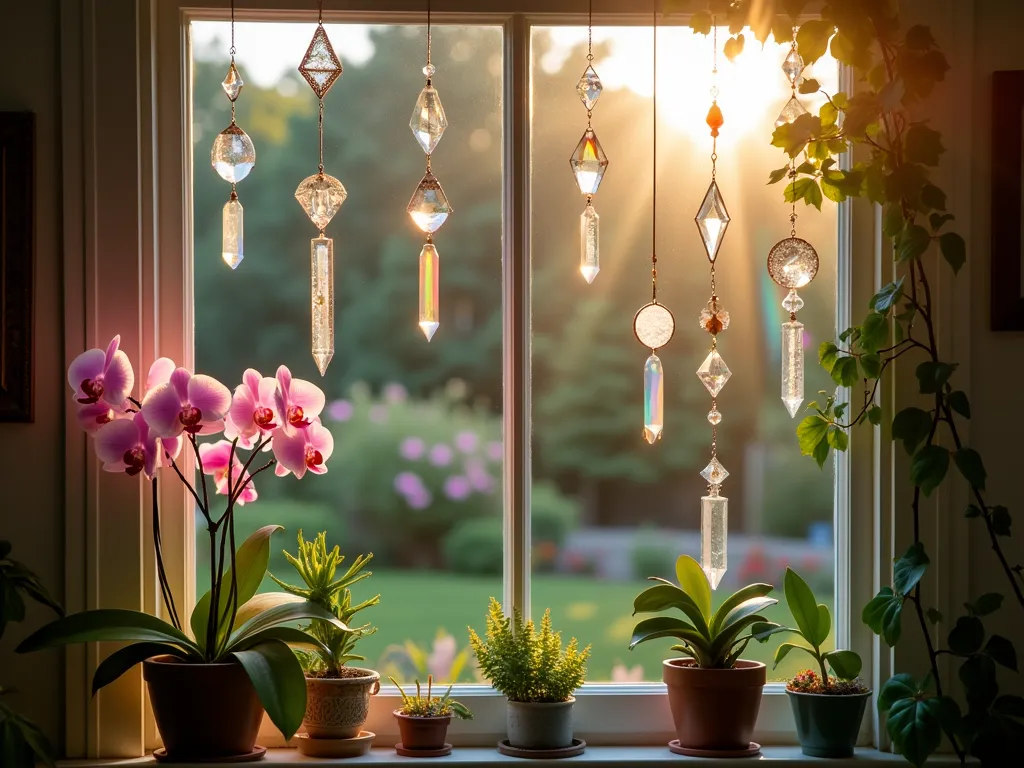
{"x": 882, "y": 123}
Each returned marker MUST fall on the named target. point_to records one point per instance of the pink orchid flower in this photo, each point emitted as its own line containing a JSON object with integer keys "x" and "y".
{"x": 299, "y": 402}
{"x": 94, "y": 416}
{"x": 215, "y": 462}
{"x": 253, "y": 409}
{"x": 308, "y": 448}
{"x": 128, "y": 445}
{"x": 97, "y": 376}
{"x": 186, "y": 403}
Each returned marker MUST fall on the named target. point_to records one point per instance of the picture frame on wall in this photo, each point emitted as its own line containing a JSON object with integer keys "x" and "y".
{"x": 1007, "y": 202}
{"x": 17, "y": 258}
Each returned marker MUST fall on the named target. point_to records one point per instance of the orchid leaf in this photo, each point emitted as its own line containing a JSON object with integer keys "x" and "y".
{"x": 662, "y": 596}
{"x": 123, "y": 659}
{"x": 108, "y": 625}
{"x": 277, "y": 676}
{"x": 694, "y": 582}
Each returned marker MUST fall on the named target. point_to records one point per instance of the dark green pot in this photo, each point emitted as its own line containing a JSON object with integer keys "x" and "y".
{"x": 827, "y": 726}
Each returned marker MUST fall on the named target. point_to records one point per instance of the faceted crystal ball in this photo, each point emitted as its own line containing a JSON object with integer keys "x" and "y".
{"x": 654, "y": 325}
{"x": 233, "y": 154}
{"x": 792, "y": 263}
{"x": 321, "y": 196}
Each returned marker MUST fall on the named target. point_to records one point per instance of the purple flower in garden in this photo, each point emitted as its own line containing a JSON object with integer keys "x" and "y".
{"x": 467, "y": 441}
{"x": 395, "y": 393}
{"x": 479, "y": 478}
{"x": 340, "y": 410}
{"x": 441, "y": 455}
{"x": 378, "y": 414}
{"x": 412, "y": 448}
{"x": 457, "y": 488}
{"x": 419, "y": 500}
{"x": 494, "y": 450}
{"x": 408, "y": 483}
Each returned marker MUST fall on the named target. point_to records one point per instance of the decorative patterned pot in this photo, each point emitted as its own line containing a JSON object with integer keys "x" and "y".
{"x": 422, "y": 732}
{"x": 336, "y": 707}
{"x": 828, "y": 726}
{"x": 203, "y": 711}
{"x": 546, "y": 725}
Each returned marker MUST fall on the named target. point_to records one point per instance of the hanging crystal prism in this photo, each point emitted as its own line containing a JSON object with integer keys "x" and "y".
{"x": 322, "y": 300}
{"x": 428, "y": 121}
{"x": 429, "y": 207}
{"x": 590, "y": 255}
{"x": 714, "y": 528}
{"x": 714, "y": 472}
{"x": 321, "y": 65}
{"x": 233, "y": 154}
{"x": 714, "y": 373}
{"x": 712, "y": 221}
{"x": 429, "y": 290}
{"x": 232, "y": 83}
{"x": 790, "y": 112}
{"x": 654, "y": 399}
{"x": 792, "y": 365}
{"x": 589, "y": 88}
{"x": 231, "y": 244}
{"x": 320, "y": 196}
{"x": 588, "y": 163}
{"x": 793, "y": 65}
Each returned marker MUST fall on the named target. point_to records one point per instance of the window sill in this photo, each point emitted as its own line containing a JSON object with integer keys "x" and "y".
{"x": 467, "y": 757}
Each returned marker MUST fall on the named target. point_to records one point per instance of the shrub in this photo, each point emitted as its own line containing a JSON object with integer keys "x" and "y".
{"x": 475, "y": 547}
{"x": 552, "y": 514}
{"x": 649, "y": 555}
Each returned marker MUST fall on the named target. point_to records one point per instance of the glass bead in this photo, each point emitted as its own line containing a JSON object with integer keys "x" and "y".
{"x": 792, "y": 303}
{"x": 714, "y": 417}
{"x": 429, "y": 70}
{"x": 714, "y": 472}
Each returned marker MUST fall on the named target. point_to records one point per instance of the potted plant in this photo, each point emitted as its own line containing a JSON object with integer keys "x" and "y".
{"x": 423, "y": 720}
{"x": 208, "y": 690}
{"x": 338, "y": 696}
{"x": 536, "y": 675}
{"x": 713, "y": 694}
{"x": 828, "y": 709}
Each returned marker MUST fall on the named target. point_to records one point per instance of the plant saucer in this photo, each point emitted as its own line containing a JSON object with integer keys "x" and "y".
{"x": 577, "y": 747}
{"x": 338, "y": 748}
{"x": 161, "y": 756}
{"x": 751, "y": 751}
{"x": 405, "y": 752}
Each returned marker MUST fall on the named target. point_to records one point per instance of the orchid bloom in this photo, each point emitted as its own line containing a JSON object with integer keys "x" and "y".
{"x": 253, "y": 409}
{"x": 128, "y": 445}
{"x": 98, "y": 376}
{"x": 186, "y": 403}
{"x": 215, "y": 458}
{"x": 308, "y": 448}
{"x": 95, "y": 416}
{"x": 299, "y": 402}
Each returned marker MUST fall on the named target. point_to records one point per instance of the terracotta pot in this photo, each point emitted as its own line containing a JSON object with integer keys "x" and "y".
{"x": 533, "y": 725}
{"x": 202, "y": 710}
{"x": 714, "y": 709}
{"x": 336, "y": 707}
{"x": 422, "y": 732}
{"x": 828, "y": 726}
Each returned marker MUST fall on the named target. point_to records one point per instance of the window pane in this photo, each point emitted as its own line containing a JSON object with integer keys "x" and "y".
{"x": 415, "y": 477}
{"x": 632, "y": 507}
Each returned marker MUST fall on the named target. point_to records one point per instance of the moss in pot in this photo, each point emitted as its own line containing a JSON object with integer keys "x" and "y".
{"x": 423, "y": 720}
{"x": 535, "y": 673}
{"x": 713, "y": 694}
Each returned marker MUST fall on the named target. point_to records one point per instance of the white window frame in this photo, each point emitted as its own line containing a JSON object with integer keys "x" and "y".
{"x": 127, "y": 232}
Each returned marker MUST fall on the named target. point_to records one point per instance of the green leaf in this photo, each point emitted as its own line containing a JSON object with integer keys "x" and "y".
{"x": 874, "y": 332}
{"x": 745, "y": 609}
{"x": 735, "y": 599}
{"x": 978, "y": 675}
{"x": 932, "y": 198}
{"x": 694, "y": 583}
{"x": 278, "y": 615}
{"x": 969, "y": 462}
{"x": 778, "y": 174}
{"x": 896, "y": 688}
{"x": 928, "y": 467}
{"x": 846, "y": 664}
{"x": 1000, "y": 517}
{"x": 290, "y": 635}
{"x": 783, "y": 651}
{"x": 667, "y": 626}
{"x": 908, "y": 570}
{"x": 120, "y": 661}
{"x": 828, "y": 353}
{"x": 837, "y": 438}
{"x": 892, "y": 220}
{"x": 912, "y": 242}
{"x": 277, "y": 676}
{"x": 939, "y": 220}
{"x": 888, "y": 296}
{"x": 966, "y": 636}
{"x": 919, "y": 38}
{"x": 988, "y": 603}
{"x": 824, "y": 623}
{"x": 812, "y": 39}
{"x": 882, "y": 615}
{"x": 661, "y": 596}
{"x": 844, "y": 372}
{"x": 1002, "y": 651}
{"x": 932, "y": 376}
{"x": 959, "y": 403}
{"x": 805, "y": 189}
{"x": 251, "y": 560}
{"x": 803, "y": 606}
{"x": 875, "y": 415}
{"x": 700, "y": 22}
{"x": 934, "y": 616}
{"x": 912, "y": 426}
{"x": 810, "y": 85}
{"x": 106, "y": 624}
{"x": 923, "y": 145}
{"x": 954, "y": 250}
{"x": 915, "y": 728}
{"x": 810, "y": 433}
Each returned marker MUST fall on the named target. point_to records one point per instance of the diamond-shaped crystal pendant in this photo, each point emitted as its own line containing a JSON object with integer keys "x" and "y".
{"x": 712, "y": 221}
{"x": 589, "y": 88}
{"x": 790, "y": 112}
{"x": 429, "y": 206}
{"x": 322, "y": 301}
{"x": 590, "y": 254}
{"x": 231, "y": 239}
{"x": 793, "y": 65}
{"x": 654, "y": 399}
{"x": 321, "y": 65}
{"x": 429, "y": 290}
{"x": 714, "y": 532}
{"x": 233, "y": 83}
{"x": 428, "y": 120}
{"x": 792, "y": 366}
{"x": 588, "y": 163}
{"x": 713, "y": 372}
{"x": 233, "y": 154}
{"x": 320, "y": 196}
{"x": 714, "y": 472}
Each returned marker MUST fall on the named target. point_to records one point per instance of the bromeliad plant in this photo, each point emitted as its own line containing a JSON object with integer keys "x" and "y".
{"x": 140, "y": 437}
{"x": 430, "y": 705}
{"x": 317, "y": 567}
{"x": 713, "y": 639}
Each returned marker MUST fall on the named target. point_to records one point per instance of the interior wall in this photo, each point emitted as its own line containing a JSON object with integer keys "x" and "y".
{"x": 32, "y": 455}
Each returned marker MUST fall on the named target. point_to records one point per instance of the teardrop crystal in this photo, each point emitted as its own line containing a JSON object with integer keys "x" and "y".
{"x": 233, "y": 154}
{"x": 320, "y": 196}
{"x": 428, "y": 120}
{"x": 429, "y": 207}
{"x": 588, "y": 163}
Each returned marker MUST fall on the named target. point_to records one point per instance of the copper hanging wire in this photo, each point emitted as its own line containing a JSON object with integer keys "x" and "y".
{"x": 654, "y": 160}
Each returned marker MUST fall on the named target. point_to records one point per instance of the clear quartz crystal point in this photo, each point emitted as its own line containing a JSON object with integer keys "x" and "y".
{"x": 790, "y": 112}
{"x": 428, "y": 121}
{"x": 231, "y": 241}
{"x": 589, "y": 88}
{"x": 590, "y": 254}
{"x": 714, "y": 531}
{"x": 714, "y": 473}
{"x": 712, "y": 221}
{"x": 792, "y": 365}
{"x": 233, "y": 154}
{"x": 233, "y": 83}
{"x": 429, "y": 290}
{"x": 322, "y": 300}
{"x": 320, "y": 196}
{"x": 713, "y": 372}
{"x": 654, "y": 399}
{"x": 588, "y": 163}
{"x": 793, "y": 65}
{"x": 429, "y": 207}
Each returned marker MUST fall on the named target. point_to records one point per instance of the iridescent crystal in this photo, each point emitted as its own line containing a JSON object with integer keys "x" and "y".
{"x": 713, "y": 372}
{"x": 231, "y": 240}
{"x": 714, "y": 472}
{"x": 712, "y": 221}
{"x": 321, "y": 65}
{"x": 233, "y": 154}
{"x": 322, "y": 300}
{"x": 792, "y": 262}
{"x": 654, "y": 399}
{"x": 429, "y": 206}
{"x": 654, "y": 325}
{"x": 790, "y": 112}
{"x": 589, "y": 88}
{"x": 714, "y": 531}
{"x": 588, "y": 163}
{"x": 714, "y": 416}
{"x": 233, "y": 83}
{"x": 793, "y": 65}
{"x": 590, "y": 254}
{"x": 792, "y": 303}
{"x": 320, "y": 196}
{"x": 428, "y": 120}
{"x": 429, "y": 290}
{"x": 792, "y": 365}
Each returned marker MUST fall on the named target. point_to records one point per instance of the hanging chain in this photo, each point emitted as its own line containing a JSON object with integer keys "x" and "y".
{"x": 320, "y": 12}
{"x": 590, "y": 30}
{"x": 232, "y": 51}
{"x": 714, "y": 91}
{"x": 320, "y": 135}
{"x": 792, "y": 160}
{"x": 428, "y": 38}
{"x": 654, "y": 162}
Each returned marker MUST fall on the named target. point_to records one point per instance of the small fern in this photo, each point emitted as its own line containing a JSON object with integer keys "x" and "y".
{"x": 430, "y": 705}
{"x": 526, "y": 665}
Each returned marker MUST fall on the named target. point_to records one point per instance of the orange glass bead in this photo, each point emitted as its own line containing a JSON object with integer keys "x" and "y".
{"x": 715, "y": 119}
